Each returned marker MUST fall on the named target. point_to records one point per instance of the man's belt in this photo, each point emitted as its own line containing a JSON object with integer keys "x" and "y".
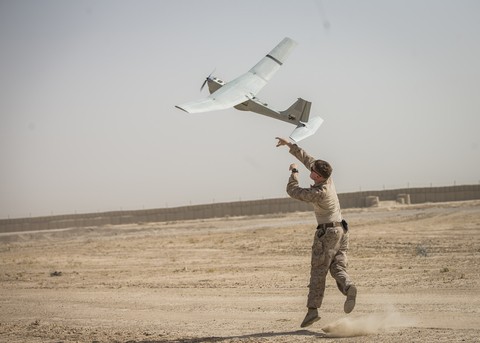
{"x": 326, "y": 225}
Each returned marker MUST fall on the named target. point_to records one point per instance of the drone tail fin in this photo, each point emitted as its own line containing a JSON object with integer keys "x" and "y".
{"x": 298, "y": 112}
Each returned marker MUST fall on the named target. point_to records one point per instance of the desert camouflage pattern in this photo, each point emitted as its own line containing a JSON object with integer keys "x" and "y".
{"x": 322, "y": 196}
{"x": 330, "y": 245}
{"x": 329, "y": 253}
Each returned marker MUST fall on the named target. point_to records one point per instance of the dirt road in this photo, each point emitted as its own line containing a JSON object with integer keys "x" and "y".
{"x": 417, "y": 269}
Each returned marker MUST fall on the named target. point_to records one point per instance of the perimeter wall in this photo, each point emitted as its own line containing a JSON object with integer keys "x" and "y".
{"x": 239, "y": 208}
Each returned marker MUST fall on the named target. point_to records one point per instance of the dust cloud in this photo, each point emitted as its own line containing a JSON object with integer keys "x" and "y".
{"x": 367, "y": 324}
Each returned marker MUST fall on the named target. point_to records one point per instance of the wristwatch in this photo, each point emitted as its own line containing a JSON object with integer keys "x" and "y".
{"x": 294, "y": 170}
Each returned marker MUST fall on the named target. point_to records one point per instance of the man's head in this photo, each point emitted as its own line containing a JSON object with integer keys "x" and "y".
{"x": 320, "y": 171}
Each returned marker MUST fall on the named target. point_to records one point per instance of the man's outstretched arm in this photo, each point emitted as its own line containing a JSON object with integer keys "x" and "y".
{"x": 298, "y": 152}
{"x": 283, "y": 141}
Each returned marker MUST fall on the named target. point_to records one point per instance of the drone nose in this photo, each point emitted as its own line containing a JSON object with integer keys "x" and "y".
{"x": 208, "y": 78}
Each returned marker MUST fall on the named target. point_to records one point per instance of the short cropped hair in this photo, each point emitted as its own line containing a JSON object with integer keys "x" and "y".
{"x": 323, "y": 168}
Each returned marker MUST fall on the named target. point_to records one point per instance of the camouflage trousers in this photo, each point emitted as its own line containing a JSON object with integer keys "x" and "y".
{"x": 329, "y": 253}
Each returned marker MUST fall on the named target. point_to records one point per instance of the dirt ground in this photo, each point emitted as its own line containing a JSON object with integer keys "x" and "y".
{"x": 244, "y": 279}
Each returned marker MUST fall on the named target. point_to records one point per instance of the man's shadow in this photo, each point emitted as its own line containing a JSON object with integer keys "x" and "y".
{"x": 249, "y": 336}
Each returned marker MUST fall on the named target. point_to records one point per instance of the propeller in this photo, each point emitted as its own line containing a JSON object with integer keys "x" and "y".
{"x": 208, "y": 78}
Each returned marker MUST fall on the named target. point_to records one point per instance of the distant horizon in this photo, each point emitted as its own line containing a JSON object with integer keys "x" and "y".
{"x": 222, "y": 202}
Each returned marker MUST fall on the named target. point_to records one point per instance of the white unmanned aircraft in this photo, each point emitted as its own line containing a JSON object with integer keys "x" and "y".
{"x": 240, "y": 93}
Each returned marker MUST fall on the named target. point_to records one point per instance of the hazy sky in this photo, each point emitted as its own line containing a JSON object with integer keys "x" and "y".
{"x": 88, "y": 89}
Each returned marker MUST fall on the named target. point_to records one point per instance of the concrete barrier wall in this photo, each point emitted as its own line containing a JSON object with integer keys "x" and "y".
{"x": 238, "y": 208}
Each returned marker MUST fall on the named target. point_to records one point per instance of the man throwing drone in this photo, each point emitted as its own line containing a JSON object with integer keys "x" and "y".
{"x": 330, "y": 242}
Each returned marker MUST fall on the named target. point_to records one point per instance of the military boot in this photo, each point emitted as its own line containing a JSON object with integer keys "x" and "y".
{"x": 310, "y": 318}
{"x": 351, "y": 297}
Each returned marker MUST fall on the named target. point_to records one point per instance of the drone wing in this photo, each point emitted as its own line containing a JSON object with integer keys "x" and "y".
{"x": 246, "y": 86}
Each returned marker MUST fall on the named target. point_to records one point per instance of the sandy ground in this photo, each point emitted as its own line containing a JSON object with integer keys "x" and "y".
{"x": 417, "y": 269}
